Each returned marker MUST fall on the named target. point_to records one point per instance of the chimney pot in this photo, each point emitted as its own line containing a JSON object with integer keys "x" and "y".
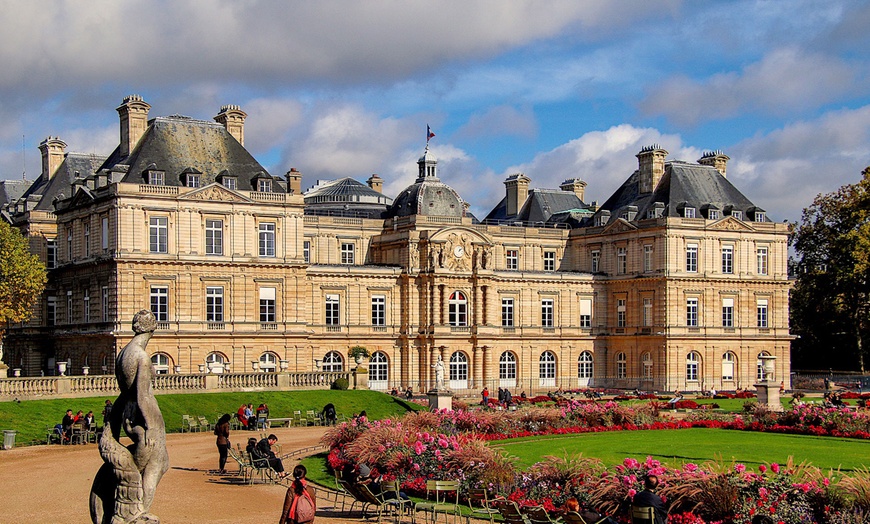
{"x": 716, "y": 159}
{"x": 233, "y": 119}
{"x": 651, "y": 165}
{"x": 134, "y": 120}
{"x": 517, "y": 187}
{"x": 52, "y": 149}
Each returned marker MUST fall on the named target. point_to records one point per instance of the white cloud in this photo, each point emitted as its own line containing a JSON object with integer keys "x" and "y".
{"x": 785, "y": 81}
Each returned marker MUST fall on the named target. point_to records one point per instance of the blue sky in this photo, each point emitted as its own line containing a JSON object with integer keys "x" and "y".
{"x": 553, "y": 89}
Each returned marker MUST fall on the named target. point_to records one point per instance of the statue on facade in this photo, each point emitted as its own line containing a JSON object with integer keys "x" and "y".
{"x": 124, "y": 487}
{"x": 439, "y": 374}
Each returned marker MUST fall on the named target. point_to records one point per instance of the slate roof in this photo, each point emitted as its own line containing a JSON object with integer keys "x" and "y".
{"x": 682, "y": 185}
{"x": 178, "y": 145}
{"x": 543, "y": 205}
{"x": 428, "y": 195}
{"x": 12, "y": 190}
{"x": 75, "y": 166}
{"x": 345, "y": 197}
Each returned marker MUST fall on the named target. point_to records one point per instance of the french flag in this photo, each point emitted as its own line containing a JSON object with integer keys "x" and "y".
{"x": 429, "y": 133}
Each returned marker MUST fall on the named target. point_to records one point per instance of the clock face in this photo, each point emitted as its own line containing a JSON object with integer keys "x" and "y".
{"x": 458, "y": 251}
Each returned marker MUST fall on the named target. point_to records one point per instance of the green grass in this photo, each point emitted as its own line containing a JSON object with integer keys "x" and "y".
{"x": 30, "y": 418}
{"x": 676, "y": 447}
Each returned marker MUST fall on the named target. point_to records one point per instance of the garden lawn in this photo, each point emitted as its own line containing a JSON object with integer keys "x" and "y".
{"x": 30, "y": 418}
{"x": 696, "y": 445}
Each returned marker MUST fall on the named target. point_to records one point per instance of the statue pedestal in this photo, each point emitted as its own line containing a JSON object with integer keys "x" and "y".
{"x": 768, "y": 396}
{"x": 4, "y": 370}
{"x": 440, "y": 399}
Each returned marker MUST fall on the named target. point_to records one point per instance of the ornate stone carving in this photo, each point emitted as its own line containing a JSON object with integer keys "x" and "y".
{"x": 458, "y": 252}
{"x": 124, "y": 487}
{"x": 731, "y": 224}
{"x": 215, "y": 193}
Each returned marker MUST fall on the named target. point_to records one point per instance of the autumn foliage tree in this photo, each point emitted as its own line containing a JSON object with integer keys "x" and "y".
{"x": 830, "y": 302}
{"x": 22, "y": 278}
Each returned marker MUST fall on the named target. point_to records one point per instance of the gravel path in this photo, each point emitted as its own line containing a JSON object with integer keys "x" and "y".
{"x": 42, "y": 484}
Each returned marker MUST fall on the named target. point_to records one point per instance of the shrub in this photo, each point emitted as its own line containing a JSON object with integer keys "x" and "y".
{"x": 339, "y": 383}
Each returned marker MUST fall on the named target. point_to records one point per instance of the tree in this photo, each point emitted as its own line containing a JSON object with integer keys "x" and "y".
{"x": 831, "y": 298}
{"x": 22, "y": 278}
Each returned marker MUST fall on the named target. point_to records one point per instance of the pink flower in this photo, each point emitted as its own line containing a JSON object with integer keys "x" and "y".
{"x": 762, "y": 492}
{"x": 774, "y": 467}
{"x": 631, "y": 463}
{"x": 690, "y": 467}
{"x": 419, "y": 448}
{"x": 631, "y": 493}
{"x": 826, "y": 481}
{"x": 739, "y": 468}
{"x": 762, "y": 468}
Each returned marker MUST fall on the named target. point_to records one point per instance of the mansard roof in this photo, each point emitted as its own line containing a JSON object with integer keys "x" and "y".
{"x": 179, "y": 145}
{"x": 75, "y": 166}
{"x": 12, "y": 190}
{"x": 682, "y": 185}
{"x": 543, "y": 205}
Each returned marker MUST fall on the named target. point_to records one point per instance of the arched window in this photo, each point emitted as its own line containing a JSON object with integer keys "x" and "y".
{"x": 458, "y": 371}
{"x": 728, "y": 363}
{"x": 547, "y": 369}
{"x": 215, "y": 363}
{"x": 378, "y": 371}
{"x": 507, "y": 370}
{"x": 268, "y": 362}
{"x": 333, "y": 361}
{"x": 585, "y": 369}
{"x": 693, "y": 364}
{"x": 620, "y": 365}
{"x": 160, "y": 362}
{"x": 457, "y": 307}
{"x": 647, "y": 366}
{"x": 759, "y": 366}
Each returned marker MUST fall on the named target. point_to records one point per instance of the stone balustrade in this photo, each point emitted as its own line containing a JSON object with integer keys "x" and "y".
{"x": 28, "y": 388}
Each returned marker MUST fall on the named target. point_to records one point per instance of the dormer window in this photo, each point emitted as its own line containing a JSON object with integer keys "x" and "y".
{"x": 737, "y": 214}
{"x": 759, "y": 216}
{"x": 601, "y": 220}
{"x": 229, "y": 182}
{"x": 713, "y": 214}
{"x": 689, "y": 212}
{"x": 264, "y": 185}
{"x": 192, "y": 180}
{"x": 157, "y": 178}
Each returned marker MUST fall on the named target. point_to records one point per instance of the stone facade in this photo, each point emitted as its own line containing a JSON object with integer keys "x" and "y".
{"x": 242, "y": 278}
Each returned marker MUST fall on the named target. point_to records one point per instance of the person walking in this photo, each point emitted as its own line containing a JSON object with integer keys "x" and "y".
{"x": 300, "y": 504}
{"x": 222, "y": 430}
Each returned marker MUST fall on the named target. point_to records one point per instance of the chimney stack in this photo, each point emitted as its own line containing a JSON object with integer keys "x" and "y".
{"x": 576, "y": 186}
{"x": 294, "y": 181}
{"x": 52, "y": 149}
{"x": 651, "y": 164}
{"x": 134, "y": 120}
{"x": 716, "y": 159}
{"x": 517, "y": 186}
{"x": 375, "y": 182}
{"x": 233, "y": 119}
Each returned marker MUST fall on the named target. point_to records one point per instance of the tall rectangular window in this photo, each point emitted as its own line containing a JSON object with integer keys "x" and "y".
{"x": 586, "y": 313}
{"x": 692, "y": 312}
{"x": 507, "y": 312}
{"x": 104, "y": 303}
{"x": 761, "y": 260}
{"x": 728, "y": 259}
{"x": 69, "y": 244}
{"x": 306, "y": 251}
{"x": 621, "y": 261}
{"x": 214, "y": 304}
{"x": 104, "y": 233}
{"x": 347, "y": 253}
{"x": 692, "y": 258}
{"x": 267, "y": 304}
{"x": 214, "y": 237}
{"x": 332, "y": 303}
{"x": 596, "y": 262}
{"x": 69, "y": 307}
{"x": 86, "y": 306}
{"x": 728, "y": 312}
{"x": 267, "y": 239}
{"x": 512, "y": 260}
{"x": 160, "y": 303}
{"x": 620, "y": 312}
{"x": 86, "y": 233}
{"x": 647, "y": 258}
{"x": 647, "y": 311}
{"x": 761, "y": 312}
{"x": 549, "y": 261}
{"x": 51, "y": 253}
{"x": 547, "y": 312}
{"x": 51, "y": 311}
{"x": 379, "y": 310}
{"x": 158, "y": 234}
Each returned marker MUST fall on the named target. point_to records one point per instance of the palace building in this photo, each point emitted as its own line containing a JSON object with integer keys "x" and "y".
{"x": 678, "y": 281}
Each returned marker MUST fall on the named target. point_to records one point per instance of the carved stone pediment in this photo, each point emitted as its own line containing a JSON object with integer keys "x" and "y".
{"x": 731, "y": 224}
{"x": 215, "y": 192}
{"x": 619, "y": 226}
{"x": 457, "y": 252}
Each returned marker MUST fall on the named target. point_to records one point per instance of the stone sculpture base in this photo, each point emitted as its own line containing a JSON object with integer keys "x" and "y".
{"x": 768, "y": 396}
{"x": 440, "y": 399}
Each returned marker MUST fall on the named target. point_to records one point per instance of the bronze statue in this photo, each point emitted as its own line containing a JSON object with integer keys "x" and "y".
{"x": 123, "y": 488}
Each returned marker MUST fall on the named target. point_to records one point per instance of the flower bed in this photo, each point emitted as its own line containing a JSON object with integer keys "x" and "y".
{"x": 428, "y": 445}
